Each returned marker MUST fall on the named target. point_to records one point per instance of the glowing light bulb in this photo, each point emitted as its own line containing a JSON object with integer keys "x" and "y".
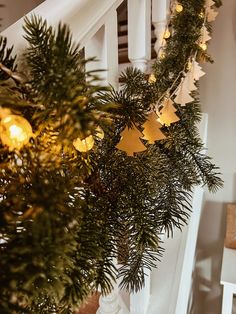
{"x": 152, "y": 79}
{"x": 167, "y": 34}
{"x": 162, "y": 55}
{"x": 84, "y": 145}
{"x": 203, "y": 46}
{"x": 15, "y": 131}
{"x": 201, "y": 15}
{"x": 179, "y": 8}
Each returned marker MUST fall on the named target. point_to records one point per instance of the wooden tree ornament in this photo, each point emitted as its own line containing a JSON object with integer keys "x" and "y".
{"x": 151, "y": 129}
{"x": 211, "y": 14}
{"x": 205, "y": 36}
{"x": 167, "y": 113}
{"x": 196, "y": 70}
{"x": 130, "y": 141}
{"x": 182, "y": 94}
{"x": 190, "y": 82}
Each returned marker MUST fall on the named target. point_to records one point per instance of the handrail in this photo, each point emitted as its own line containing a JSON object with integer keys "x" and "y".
{"x": 84, "y": 17}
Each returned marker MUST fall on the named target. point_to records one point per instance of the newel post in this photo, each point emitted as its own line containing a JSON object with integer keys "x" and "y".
{"x": 139, "y": 33}
{"x": 159, "y": 21}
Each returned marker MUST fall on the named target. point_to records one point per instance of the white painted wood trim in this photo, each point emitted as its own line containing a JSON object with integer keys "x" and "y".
{"x": 171, "y": 282}
{"x": 139, "y": 301}
{"x": 84, "y": 17}
{"x": 104, "y": 46}
{"x": 188, "y": 243}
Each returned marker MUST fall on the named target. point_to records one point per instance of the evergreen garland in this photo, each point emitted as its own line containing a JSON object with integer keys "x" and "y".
{"x": 65, "y": 215}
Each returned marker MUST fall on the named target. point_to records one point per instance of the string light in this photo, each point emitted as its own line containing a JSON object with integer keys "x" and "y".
{"x": 167, "y": 34}
{"x": 179, "y": 8}
{"x": 15, "y": 131}
{"x": 162, "y": 55}
{"x": 201, "y": 15}
{"x": 152, "y": 79}
{"x": 203, "y": 46}
{"x": 84, "y": 145}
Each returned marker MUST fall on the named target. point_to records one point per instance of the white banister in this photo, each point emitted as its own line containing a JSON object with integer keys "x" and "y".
{"x": 104, "y": 45}
{"x": 94, "y": 25}
{"x": 159, "y": 21}
{"x": 139, "y": 301}
{"x": 85, "y": 18}
{"x": 139, "y": 33}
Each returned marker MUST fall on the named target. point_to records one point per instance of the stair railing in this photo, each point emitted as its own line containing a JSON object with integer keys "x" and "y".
{"x": 93, "y": 24}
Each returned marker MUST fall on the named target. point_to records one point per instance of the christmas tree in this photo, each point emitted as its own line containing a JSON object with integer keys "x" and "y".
{"x": 64, "y": 212}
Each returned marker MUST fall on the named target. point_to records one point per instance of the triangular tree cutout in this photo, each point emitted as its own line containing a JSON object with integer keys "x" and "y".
{"x": 167, "y": 113}
{"x": 151, "y": 129}
{"x": 182, "y": 94}
{"x": 130, "y": 141}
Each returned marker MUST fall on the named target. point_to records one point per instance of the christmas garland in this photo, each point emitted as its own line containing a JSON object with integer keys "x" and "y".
{"x": 88, "y": 173}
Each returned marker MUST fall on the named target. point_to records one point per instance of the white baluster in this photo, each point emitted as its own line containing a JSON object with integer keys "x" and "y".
{"x": 139, "y": 301}
{"x": 159, "y": 20}
{"x": 139, "y": 33}
{"x": 109, "y": 304}
{"x": 104, "y": 46}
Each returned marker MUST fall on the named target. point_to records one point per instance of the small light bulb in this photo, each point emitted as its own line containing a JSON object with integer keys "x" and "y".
{"x": 201, "y": 15}
{"x": 167, "y": 34}
{"x": 203, "y": 46}
{"x": 84, "y": 145}
{"x": 179, "y": 8}
{"x": 162, "y": 55}
{"x": 15, "y": 131}
{"x": 152, "y": 79}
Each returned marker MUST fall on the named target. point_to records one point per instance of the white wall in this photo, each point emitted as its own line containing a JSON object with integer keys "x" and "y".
{"x": 218, "y": 97}
{"x": 15, "y": 9}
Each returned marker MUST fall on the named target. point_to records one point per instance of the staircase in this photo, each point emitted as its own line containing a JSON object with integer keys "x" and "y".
{"x": 119, "y": 32}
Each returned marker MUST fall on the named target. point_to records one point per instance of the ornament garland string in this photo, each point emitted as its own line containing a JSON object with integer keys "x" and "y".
{"x": 88, "y": 173}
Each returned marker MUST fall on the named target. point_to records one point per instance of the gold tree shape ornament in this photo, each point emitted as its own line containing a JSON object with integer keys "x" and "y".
{"x": 182, "y": 94}
{"x": 205, "y": 35}
{"x": 196, "y": 70}
{"x": 15, "y": 131}
{"x": 189, "y": 81}
{"x": 130, "y": 142}
{"x": 167, "y": 114}
{"x": 84, "y": 145}
{"x": 211, "y": 14}
{"x": 151, "y": 129}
